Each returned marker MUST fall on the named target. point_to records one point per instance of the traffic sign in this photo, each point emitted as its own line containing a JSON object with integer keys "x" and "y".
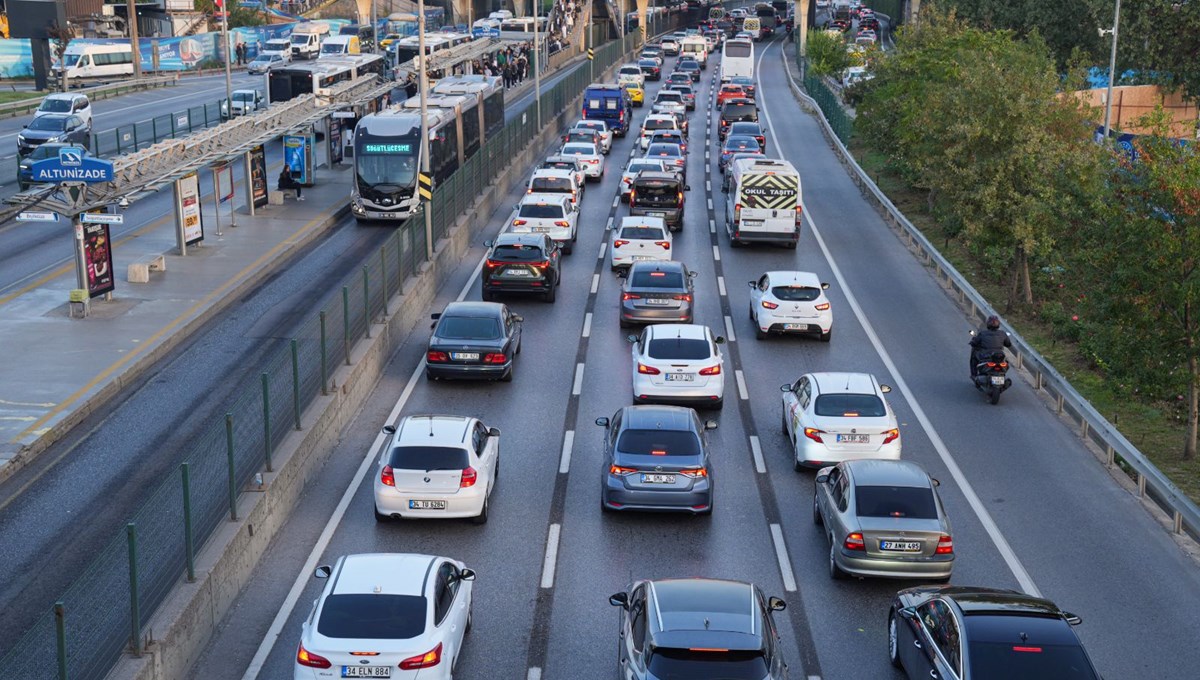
{"x": 73, "y": 165}
{"x": 30, "y": 216}
{"x": 591, "y": 55}
{"x": 102, "y": 218}
{"x": 425, "y": 186}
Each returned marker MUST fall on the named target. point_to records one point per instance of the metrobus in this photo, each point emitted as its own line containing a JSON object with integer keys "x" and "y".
{"x": 84, "y": 60}
{"x": 737, "y": 59}
{"x": 407, "y": 49}
{"x": 317, "y": 77}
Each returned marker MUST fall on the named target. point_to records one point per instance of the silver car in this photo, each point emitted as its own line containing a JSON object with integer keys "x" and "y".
{"x": 656, "y": 291}
{"x": 883, "y": 518}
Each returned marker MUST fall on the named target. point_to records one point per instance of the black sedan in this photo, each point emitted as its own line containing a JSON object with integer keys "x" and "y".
{"x": 984, "y": 634}
{"x": 522, "y": 263}
{"x": 650, "y": 69}
{"x": 473, "y": 340}
{"x": 689, "y": 66}
{"x": 53, "y": 127}
{"x": 736, "y": 144}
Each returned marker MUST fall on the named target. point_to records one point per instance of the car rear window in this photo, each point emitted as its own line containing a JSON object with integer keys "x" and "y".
{"x": 517, "y": 253}
{"x": 372, "y": 617}
{"x": 656, "y": 190}
{"x": 428, "y": 458}
{"x": 541, "y": 210}
{"x": 1005, "y": 660}
{"x": 468, "y": 328}
{"x": 850, "y": 405}
{"x": 659, "y": 443}
{"x": 586, "y": 149}
{"x": 551, "y": 185}
{"x": 664, "y": 150}
{"x": 638, "y": 167}
{"x": 642, "y": 233}
{"x": 679, "y": 348}
{"x": 895, "y": 501}
{"x": 747, "y": 144}
{"x": 796, "y": 293}
{"x": 736, "y": 112}
{"x": 681, "y": 664}
{"x": 660, "y": 124}
{"x": 652, "y": 279}
{"x": 560, "y": 165}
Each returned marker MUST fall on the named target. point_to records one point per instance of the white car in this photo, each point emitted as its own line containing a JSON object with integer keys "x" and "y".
{"x": 652, "y": 54}
{"x": 635, "y": 166}
{"x": 669, "y": 101}
{"x": 678, "y": 363}
{"x": 552, "y": 214}
{"x": 567, "y": 163}
{"x": 670, "y": 46}
{"x": 855, "y": 74}
{"x": 638, "y": 239}
{"x": 832, "y": 417}
{"x": 631, "y": 73}
{"x": 790, "y": 302}
{"x": 653, "y": 123}
{"x": 439, "y": 466}
{"x": 555, "y": 181}
{"x": 600, "y": 127}
{"x": 593, "y": 160}
{"x": 68, "y": 103}
{"x": 386, "y": 615}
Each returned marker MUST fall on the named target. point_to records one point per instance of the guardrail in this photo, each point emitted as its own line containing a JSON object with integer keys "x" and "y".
{"x": 127, "y": 138}
{"x": 17, "y": 108}
{"x": 1151, "y": 483}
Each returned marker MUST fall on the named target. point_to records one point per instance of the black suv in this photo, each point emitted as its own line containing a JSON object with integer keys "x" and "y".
{"x": 698, "y": 628}
{"x": 658, "y": 194}
{"x": 522, "y": 263}
{"x": 734, "y": 111}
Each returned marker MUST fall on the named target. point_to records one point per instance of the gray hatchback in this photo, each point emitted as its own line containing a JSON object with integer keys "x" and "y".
{"x": 656, "y": 458}
{"x": 657, "y": 291}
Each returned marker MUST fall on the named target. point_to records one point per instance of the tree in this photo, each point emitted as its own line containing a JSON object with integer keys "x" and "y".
{"x": 60, "y": 37}
{"x": 826, "y": 54}
{"x": 238, "y": 16}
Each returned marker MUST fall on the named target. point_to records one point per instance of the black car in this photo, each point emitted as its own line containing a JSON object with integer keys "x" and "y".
{"x": 650, "y": 69}
{"x": 41, "y": 153}
{"x": 984, "y": 633}
{"x": 53, "y": 127}
{"x": 733, "y": 111}
{"x": 658, "y": 194}
{"x": 522, "y": 263}
{"x": 750, "y": 129}
{"x": 736, "y": 144}
{"x": 698, "y": 628}
{"x": 473, "y": 340}
{"x": 690, "y": 67}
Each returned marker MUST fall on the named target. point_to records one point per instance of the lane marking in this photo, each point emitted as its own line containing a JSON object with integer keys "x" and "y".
{"x": 578, "y": 386}
{"x": 603, "y": 246}
{"x": 564, "y": 460}
{"x": 760, "y": 465}
{"x": 729, "y": 330}
{"x": 709, "y": 200}
{"x": 721, "y": 285}
{"x": 587, "y": 325}
{"x": 608, "y": 227}
{"x": 741, "y": 383}
{"x": 617, "y": 200}
{"x": 716, "y": 253}
{"x": 551, "y": 559}
{"x": 785, "y": 566}
{"x": 535, "y": 673}
{"x": 595, "y": 283}
{"x": 708, "y": 185}
{"x": 712, "y": 226}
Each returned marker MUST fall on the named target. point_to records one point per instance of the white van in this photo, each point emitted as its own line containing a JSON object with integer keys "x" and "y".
{"x": 340, "y": 46}
{"x": 279, "y": 46}
{"x": 95, "y": 61}
{"x": 306, "y": 40}
{"x": 764, "y": 203}
{"x": 696, "y": 47}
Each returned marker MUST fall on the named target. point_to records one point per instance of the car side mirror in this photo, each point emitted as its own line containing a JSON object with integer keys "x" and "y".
{"x": 487, "y": 244}
{"x": 493, "y": 432}
{"x": 687, "y": 187}
{"x": 752, "y": 284}
{"x": 720, "y": 339}
{"x": 619, "y": 600}
{"x": 389, "y": 429}
{"x": 622, "y": 273}
{"x": 776, "y": 604}
{"x": 323, "y": 571}
{"x": 465, "y": 574}
{"x": 433, "y": 325}
{"x": 518, "y": 318}
{"x": 971, "y": 333}
{"x": 824, "y": 286}
{"x": 435, "y": 316}
{"x": 710, "y": 424}
{"x": 885, "y": 388}
{"x": 692, "y": 275}
{"x": 631, "y": 338}
{"x": 785, "y": 388}
{"x": 1073, "y": 619}
{"x": 821, "y": 479}
{"x": 602, "y": 421}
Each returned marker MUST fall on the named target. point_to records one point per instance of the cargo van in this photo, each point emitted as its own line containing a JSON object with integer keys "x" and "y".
{"x": 611, "y": 104}
{"x": 306, "y": 40}
{"x": 764, "y": 203}
{"x": 696, "y": 47}
{"x": 340, "y": 46}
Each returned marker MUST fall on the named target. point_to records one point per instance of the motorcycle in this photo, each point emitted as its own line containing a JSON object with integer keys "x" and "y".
{"x": 991, "y": 373}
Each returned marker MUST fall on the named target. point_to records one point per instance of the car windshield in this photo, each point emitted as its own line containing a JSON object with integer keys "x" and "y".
{"x": 55, "y": 106}
{"x": 796, "y": 293}
{"x": 648, "y": 62}
{"x": 428, "y": 458}
{"x": 659, "y": 443}
{"x": 517, "y": 252}
{"x": 669, "y": 96}
{"x": 541, "y": 210}
{"x": 687, "y": 664}
{"x": 671, "y": 150}
{"x": 581, "y": 136}
{"x": 641, "y": 233}
{"x": 372, "y": 617}
{"x": 895, "y": 501}
{"x": 679, "y": 348}
{"x": 850, "y": 406}
{"x": 468, "y": 328}
{"x": 44, "y": 151}
{"x": 243, "y": 96}
{"x": 48, "y": 123}
{"x": 579, "y": 150}
{"x": 656, "y": 190}
{"x": 656, "y": 279}
{"x": 739, "y": 112}
{"x": 1004, "y": 660}
{"x": 745, "y": 129}
{"x": 630, "y": 71}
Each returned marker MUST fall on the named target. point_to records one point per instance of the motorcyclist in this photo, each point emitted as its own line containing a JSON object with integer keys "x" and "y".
{"x": 987, "y": 340}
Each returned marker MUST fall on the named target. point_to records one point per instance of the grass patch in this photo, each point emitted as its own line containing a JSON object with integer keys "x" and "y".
{"x": 7, "y": 96}
{"x": 1156, "y": 428}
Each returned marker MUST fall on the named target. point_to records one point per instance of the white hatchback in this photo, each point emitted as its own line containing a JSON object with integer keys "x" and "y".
{"x": 631, "y": 73}
{"x": 552, "y": 214}
{"x": 437, "y": 466}
{"x": 653, "y": 123}
{"x": 386, "y": 615}
{"x": 635, "y": 166}
{"x": 600, "y": 127}
{"x": 678, "y": 363}
{"x": 790, "y": 302}
{"x": 832, "y": 417}
{"x": 639, "y": 239}
{"x": 593, "y": 160}
{"x": 64, "y": 102}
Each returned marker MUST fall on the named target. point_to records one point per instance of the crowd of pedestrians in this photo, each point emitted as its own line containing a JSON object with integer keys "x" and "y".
{"x": 562, "y": 22}
{"x": 512, "y": 64}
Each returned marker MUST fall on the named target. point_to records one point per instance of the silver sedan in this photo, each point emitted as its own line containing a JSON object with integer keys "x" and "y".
{"x": 883, "y": 518}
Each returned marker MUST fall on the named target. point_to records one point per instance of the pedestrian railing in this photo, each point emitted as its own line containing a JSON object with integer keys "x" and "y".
{"x": 839, "y": 120}
{"x": 135, "y": 136}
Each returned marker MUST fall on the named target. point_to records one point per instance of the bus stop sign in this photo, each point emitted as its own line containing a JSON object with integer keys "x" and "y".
{"x": 73, "y": 165}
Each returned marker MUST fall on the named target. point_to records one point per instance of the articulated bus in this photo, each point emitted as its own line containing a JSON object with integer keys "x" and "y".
{"x": 316, "y": 77}
{"x": 462, "y": 113}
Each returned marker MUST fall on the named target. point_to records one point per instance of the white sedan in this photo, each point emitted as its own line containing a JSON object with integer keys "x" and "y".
{"x": 593, "y": 160}
{"x": 678, "y": 363}
{"x": 638, "y": 239}
{"x": 790, "y": 302}
{"x": 600, "y": 127}
{"x": 832, "y": 417}
{"x": 635, "y": 166}
{"x": 552, "y": 214}
{"x": 386, "y": 615}
{"x": 437, "y": 466}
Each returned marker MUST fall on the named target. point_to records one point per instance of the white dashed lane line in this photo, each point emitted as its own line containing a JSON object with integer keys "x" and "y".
{"x": 575, "y": 389}
{"x": 564, "y": 461}
{"x": 760, "y": 465}
{"x": 587, "y": 325}
{"x": 551, "y": 559}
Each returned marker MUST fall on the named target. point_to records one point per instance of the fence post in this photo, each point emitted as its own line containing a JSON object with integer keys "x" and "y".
{"x": 346, "y": 321}
{"x": 266, "y": 390}
{"x": 296, "y": 382}
{"x": 135, "y": 139}
{"x": 324, "y": 365}
{"x": 185, "y": 471}
{"x": 232, "y": 476}
{"x": 399, "y": 259}
{"x": 367, "y": 301}
{"x": 135, "y": 614}
{"x": 386, "y": 284}
{"x": 60, "y": 636}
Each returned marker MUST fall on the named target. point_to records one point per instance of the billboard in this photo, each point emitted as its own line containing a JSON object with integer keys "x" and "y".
{"x": 298, "y": 155}
{"x": 98, "y": 259}
{"x": 187, "y": 207}
{"x": 258, "y": 176}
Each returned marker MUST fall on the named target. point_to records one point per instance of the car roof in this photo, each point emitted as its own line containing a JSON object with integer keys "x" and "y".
{"x": 978, "y": 600}
{"x": 874, "y": 472}
{"x": 852, "y": 383}
{"x": 510, "y": 238}
{"x": 658, "y": 417}
{"x": 71, "y": 96}
{"x": 785, "y": 278}
{"x": 659, "y": 145}
{"x": 591, "y": 122}
{"x": 424, "y": 429}
{"x": 642, "y": 221}
{"x": 705, "y": 605}
{"x": 559, "y": 158}
{"x": 545, "y": 198}
{"x": 553, "y": 172}
{"x": 658, "y": 175}
{"x": 382, "y": 573}
{"x": 683, "y": 331}
{"x": 472, "y": 308}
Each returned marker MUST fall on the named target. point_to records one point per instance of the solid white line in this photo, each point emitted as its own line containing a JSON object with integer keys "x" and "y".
{"x": 587, "y": 325}
{"x": 985, "y": 518}
{"x": 716, "y": 253}
{"x": 578, "y": 386}
{"x": 551, "y": 557}
{"x": 785, "y": 567}
{"x": 712, "y": 227}
{"x": 729, "y": 330}
{"x": 564, "y": 461}
{"x": 602, "y": 247}
{"x": 535, "y": 673}
{"x": 760, "y": 466}
{"x": 721, "y": 285}
{"x": 595, "y": 283}
{"x": 741, "y": 383}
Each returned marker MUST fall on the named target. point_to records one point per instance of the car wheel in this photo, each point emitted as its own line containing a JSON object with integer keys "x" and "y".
{"x": 482, "y": 517}
{"x": 625, "y": 324}
{"x": 893, "y": 641}
{"x": 487, "y": 295}
{"x": 759, "y": 334}
{"x": 507, "y": 377}
{"x": 430, "y": 376}
{"x": 569, "y": 247}
{"x": 735, "y": 243}
{"x": 817, "y": 511}
{"x": 835, "y": 572}
{"x": 718, "y": 404}
{"x": 380, "y": 517}
{"x": 550, "y": 295}
{"x": 826, "y": 336}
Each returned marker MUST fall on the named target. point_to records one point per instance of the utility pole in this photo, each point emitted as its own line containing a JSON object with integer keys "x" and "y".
{"x": 131, "y": 19}
{"x": 537, "y": 66}
{"x": 1112, "y": 69}
{"x": 587, "y": 41}
{"x": 374, "y": 28}
{"x": 425, "y": 165}
{"x": 228, "y": 67}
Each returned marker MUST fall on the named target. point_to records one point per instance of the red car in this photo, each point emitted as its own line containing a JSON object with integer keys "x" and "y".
{"x": 728, "y": 92}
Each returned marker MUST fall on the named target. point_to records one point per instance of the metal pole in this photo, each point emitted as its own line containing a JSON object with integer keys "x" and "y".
{"x": 537, "y": 66}
{"x": 296, "y": 382}
{"x": 367, "y": 300}
{"x": 81, "y": 266}
{"x": 60, "y": 634}
{"x": 424, "y": 83}
{"x": 324, "y": 365}
{"x": 374, "y": 28}
{"x": 1112, "y": 69}
{"x": 216, "y": 195}
{"x": 135, "y": 614}
{"x": 587, "y": 41}
{"x": 266, "y": 392}
{"x": 228, "y": 67}
{"x": 188, "y": 547}
{"x": 346, "y": 321}
{"x": 131, "y": 19}
{"x": 229, "y": 458}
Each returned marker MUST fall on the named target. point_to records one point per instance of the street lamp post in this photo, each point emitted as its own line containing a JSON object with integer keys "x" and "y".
{"x": 131, "y": 18}
{"x": 537, "y": 65}
{"x": 424, "y": 83}
{"x": 1112, "y": 68}
{"x": 228, "y": 67}
{"x": 374, "y": 28}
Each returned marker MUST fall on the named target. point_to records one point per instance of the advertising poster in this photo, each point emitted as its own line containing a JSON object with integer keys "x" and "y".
{"x": 187, "y": 188}
{"x": 258, "y": 176}
{"x": 223, "y": 178}
{"x": 296, "y": 154}
{"x": 97, "y": 257}
{"x": 335, "y": 140}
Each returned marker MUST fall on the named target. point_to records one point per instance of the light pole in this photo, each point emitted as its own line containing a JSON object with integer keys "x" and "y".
{"x": 424, "y": 83}
{"x": 228, "y": 68}
{"x": 374, "y": 28}
{"x": 131, "y": 17}
{"x": 1112, "y": 68}
{"x": 537, "y": 66}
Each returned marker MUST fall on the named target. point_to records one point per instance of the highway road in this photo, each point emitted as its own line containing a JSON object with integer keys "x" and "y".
{"x": 1031, "y": 508}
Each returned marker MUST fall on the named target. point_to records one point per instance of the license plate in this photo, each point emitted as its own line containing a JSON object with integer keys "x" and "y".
{"x": 424, "y": 505}
{"x": 658, "y": 479}
{"x": 680, "y": 377}
{"x": 642, "y": 257}
{"x": 752, "y": 223}
{"x": 657, "y": 301}
{"x": 795, "y": 326}
{"x": 853, "y": 438}
{"x": 658, "y": 214}
{"x": 997, "y": 380}
{"x": 517, "y": 272}
{"x": 900, "y": 546}
{"x": 465, "y": 356}
{"x": 539, "y": 230}
{"x": 366, "y": 672}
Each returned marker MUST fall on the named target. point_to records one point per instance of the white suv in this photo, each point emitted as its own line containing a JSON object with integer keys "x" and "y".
{"x": 74, "y": 104}
{"x": 554, "y": 215}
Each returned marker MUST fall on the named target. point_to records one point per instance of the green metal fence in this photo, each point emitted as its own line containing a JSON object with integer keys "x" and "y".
{"x": 839, "y": 120}
{"x": 139, "y": 135}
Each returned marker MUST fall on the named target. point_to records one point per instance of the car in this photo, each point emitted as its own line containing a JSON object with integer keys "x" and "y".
{"x": 637, "y": 94}
{"x": 853, "y": 75}
{"x": 679, "y": 78}
{"x": 729, "y": 91}
{"x": 738, "y": 13}
{"x": 593, "y": 160}
{"x": 790, "y": 302}
{"x": 437, "y": 466}
{"x": 601, "y": 128}
{"x": 670, "y": 154}
{"x": 735, "y": 110}
{"x": 865, "y": 37}
{"x": 388, "y": 39}
{"x": 669, "y": 137}
{"x": 263, "y": 63}
{"x": 690, "y": 67}
{"x": 650, "y": 68}
{"x": 584, "y": 136}
{"x": 522, "y": 263}
{"x": 832, "y": 417}
{"x": 688, "y": 92}
{"x": 745, "y": 35}
{"x": 572, "y": 163}
{"x": 474, "y": 340}
{"x": 41, "y": 153}
{"x": 386, "y": 615}
{"x": 698, "y": 628}
{"x": 656, "y": 459}
{"x": 678, "y": 363}
{"x": 669, "y": 101}
{"x": 883, "y": 518}
{"x": 648, "y": 53}
{"x": 66, "y": 128}
{"x": 555, "y": 181}
{"x": 750, "y": 129}
{"x": 747, "y": 84}
{"x": 670, "y": 46}
{"x": 632, "y": 73}
{"x": 655, "y": 122}
{"x": 639, "y": 239}
{"x": 553, "y": 214}
{"x": 657, "y": 292}
{"x": 245, "y": 102}
{"x": 736, "y": 144}
{"x": 66, "y": 103}
{"x": 973, "y": 632}
{"x": 635, "y": 166}
{"x": 727, "y": 178}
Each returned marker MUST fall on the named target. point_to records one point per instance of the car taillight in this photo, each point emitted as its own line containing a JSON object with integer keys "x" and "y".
{"x": 737, "y": 211}
{"x": 991, "y": 364}
{"x": 647, "y": 370}
{"x": 618, "y": 470}
{"x": 711, "y": 370}
{"x": 630, "y": 296}
{"x": 427, "y": 660}
{"x": 387, "y": 476}
{"x": 619, "y": 242}
{"x": 762, "y": 141}
{"x": 891, "y": 435}
{"x": 695, "y": 473}
{"x": 307, "y": 658}
{"x": 494, "y": 358}
{"x": 822, "y": 307}
{"x": 518, "y": 223}
{"x": 492, "y": 264}
{"x": 814, "y": 434}
{"x": 562, "y": 223}
{"x": 679, "y": 197}
{"x": 469, "y": 477}
{"x": 686, "y": 297}
{"x": 1004, "y": 365}
{"x": 666, "y": 245}
{"x": 854, "y": 541}
{"x": 627, "y": 180}
{"x": 769, "y": 305}
{"x": 945, "y": 545}
{"x": 594, "y": 161}
{"x": 434, "y": 356}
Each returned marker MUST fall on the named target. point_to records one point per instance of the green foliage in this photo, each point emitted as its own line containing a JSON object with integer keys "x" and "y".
{"x": 826, "y": 54}
{"x": 238, "y": 16}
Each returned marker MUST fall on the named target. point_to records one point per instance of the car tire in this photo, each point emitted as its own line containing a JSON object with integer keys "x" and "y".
{"x": 826, "y": 336}
{"x": 894, "y": 641}
{"x": 430, "y": 376}
{"x": 835, "y": 572}
{"x": 735, "y": 243}
{"x": 569, "y": 247}
{"x": 380, "y": 517}
{"x": 486, "y": 295}
{"x": 550, "y": 295}
{"x": 625, "y": 324}
{"x": 817, "y": 520}
{"x": 718, "y": 404}
{"x": 507, "y": 377}
{"x": 759, "y": 334}
{"x": 482, "y": 517}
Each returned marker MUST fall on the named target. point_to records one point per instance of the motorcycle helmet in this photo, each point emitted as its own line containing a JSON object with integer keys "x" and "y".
{"x": 993, "y": 322}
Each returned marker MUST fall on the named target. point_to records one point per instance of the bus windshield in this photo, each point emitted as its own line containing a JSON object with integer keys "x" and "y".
{"x": 385, "y": 163}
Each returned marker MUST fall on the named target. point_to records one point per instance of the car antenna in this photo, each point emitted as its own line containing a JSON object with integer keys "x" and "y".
{"x": 706, "y": 623}
{"x": 430, "y": 426}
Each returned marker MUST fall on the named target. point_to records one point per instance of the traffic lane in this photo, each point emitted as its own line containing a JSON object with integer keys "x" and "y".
{"x": 1047, "y": 493}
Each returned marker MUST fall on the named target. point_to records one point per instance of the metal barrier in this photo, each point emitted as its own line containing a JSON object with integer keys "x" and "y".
{"x": 839, "y": 120}
{"x": 1151, "y": 483}
{"x": 17, "y": 108}
{"x": 142, "y": 134}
